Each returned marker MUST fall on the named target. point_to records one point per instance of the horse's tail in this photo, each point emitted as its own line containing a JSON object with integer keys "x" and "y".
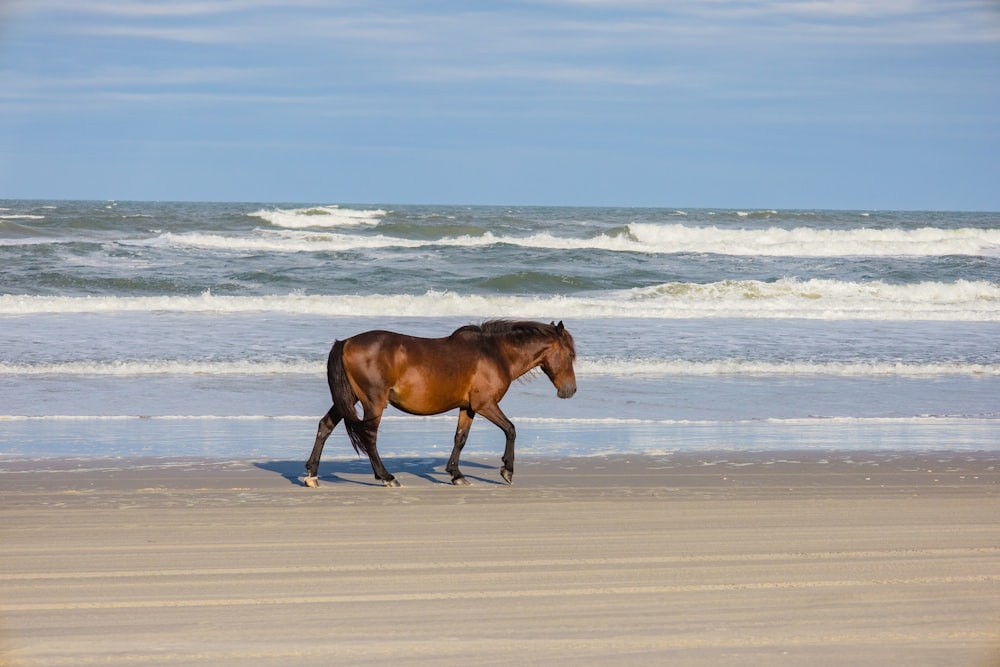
{"x": 360, "y": 431}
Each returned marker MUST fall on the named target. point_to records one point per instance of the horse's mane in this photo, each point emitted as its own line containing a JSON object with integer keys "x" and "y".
{"x": 517, "y": 332}
{"x": 508, "y": 328}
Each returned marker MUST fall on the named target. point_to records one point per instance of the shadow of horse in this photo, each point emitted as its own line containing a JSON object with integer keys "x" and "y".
{"x": 346, "y": 471}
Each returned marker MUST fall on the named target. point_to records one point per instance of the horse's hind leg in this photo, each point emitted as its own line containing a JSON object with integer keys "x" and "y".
{"x": 326, "y": 426}
{"x": 369, "y": 426}
{"x": 461, "y": 435}
{"x": 381, "y": 474}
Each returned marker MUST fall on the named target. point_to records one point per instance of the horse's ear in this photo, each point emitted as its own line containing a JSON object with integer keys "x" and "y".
{"x": 559, "y": 327}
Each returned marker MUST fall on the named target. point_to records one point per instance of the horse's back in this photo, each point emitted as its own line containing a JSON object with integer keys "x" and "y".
{"x": 417, "y": 375}
{"x": 396, "y": 354}
{"x": 383, "y": 342}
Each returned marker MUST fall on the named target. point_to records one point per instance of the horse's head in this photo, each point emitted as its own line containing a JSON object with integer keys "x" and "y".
{"x": 557, "y": 364}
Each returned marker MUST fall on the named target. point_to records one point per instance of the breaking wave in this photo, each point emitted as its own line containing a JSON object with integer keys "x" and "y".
{"x": 788, "y": 298}
{"x": 585, "y": 367}
{"x": 319, "y": 216}
{"x": 808, "y": 242}
{"x": 635, "y": 237}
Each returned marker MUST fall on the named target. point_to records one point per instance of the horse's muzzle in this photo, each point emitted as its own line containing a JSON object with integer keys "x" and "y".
{"x": 566, "y": 390}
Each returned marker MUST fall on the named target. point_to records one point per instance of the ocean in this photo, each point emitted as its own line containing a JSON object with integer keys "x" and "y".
{"x": 202, "y": 329}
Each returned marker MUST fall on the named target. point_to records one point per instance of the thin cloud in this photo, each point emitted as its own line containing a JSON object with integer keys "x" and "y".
{"x": 578, "y": 28}
{"x": 116, "y": 77}
{"x": 190, "y": 34}
{"x": 886, "y": 21}
{"x": 563, "y": 74}
{"x": 161, "y": 9}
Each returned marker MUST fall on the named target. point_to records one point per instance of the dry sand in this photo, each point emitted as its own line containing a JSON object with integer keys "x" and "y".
{"x": 687, "y": 559}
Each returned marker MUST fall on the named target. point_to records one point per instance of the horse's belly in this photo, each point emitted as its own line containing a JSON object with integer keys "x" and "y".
{"x": 424, "y": 402}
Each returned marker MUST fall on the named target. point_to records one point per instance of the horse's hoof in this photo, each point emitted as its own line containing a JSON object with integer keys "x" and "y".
{"x": 460, "y": 481}
{"x": 312, "y": 482}
{"x": 391, "y": 483}
{"x": 508, "y": 475}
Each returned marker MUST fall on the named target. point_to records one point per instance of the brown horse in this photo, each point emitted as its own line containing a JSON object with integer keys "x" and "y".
{"x": 470, "y": 370}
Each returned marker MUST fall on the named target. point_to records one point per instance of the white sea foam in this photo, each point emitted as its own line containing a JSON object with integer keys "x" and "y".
{"x": 789, "y": 298}
{"x": 285, "y": 241}
{"x": 639, "y": 237}
{"x": 20, "y": 216}
{"x": 671, "y": 367}
{"x": 319, "y": 216}
{"x": 584, "y": 368}
{"x": 827, "y": 299}
{"x": 32, "y": 418}
{"x": 808, "y": 242}
{"x": 319, "y": 241}
{"x": 164, "y": 367}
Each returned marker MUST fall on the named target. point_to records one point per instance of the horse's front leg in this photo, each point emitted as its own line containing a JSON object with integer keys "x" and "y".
{"x": 326, "y": 426}
{"x": 461, "y": 435}
{"x": 496, "y": 415}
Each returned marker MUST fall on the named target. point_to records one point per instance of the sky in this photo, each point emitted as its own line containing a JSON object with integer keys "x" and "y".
{"x": 845, "y": 104}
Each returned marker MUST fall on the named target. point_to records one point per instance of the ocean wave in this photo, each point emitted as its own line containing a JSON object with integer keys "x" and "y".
{"x": 584, "y": 368}
{"x": 164, "y": 367}
{"x": 788, "y": 298}
{"x": 316, "y": 241}
{"x": 15, "y": 242}
{"x": 808, "y": 242}
{"x": 319, "y": 216}
{"x": 670, "y": 368}
{"x": 815, "y": 297}
{"x": 646, "y": 238}
{"x": 20, "y": 216}
{"x": 32, "y": 418}
{"x": 283, "y": 241}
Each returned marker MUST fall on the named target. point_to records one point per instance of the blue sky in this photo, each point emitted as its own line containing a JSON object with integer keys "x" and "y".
{"x": 893, "y": 104}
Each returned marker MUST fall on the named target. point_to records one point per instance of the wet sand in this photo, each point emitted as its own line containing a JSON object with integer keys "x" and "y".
{"x": 703, "y": 558}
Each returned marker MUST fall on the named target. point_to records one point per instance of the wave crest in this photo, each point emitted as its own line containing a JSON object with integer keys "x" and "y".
{"x": 647, "y": 238}
{"x": 319, "y": 216}
{"x": 789, "y": 298}
{"x": 808, "y": 242}
{"x": 584, "y": 368}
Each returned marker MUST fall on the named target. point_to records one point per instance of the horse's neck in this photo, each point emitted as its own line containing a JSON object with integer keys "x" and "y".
{"x": 522, "y": 358}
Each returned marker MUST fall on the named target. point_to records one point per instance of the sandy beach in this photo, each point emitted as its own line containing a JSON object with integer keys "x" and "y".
{"x": 846, "y": 558}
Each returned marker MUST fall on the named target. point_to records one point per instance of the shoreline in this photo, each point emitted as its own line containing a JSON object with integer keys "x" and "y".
{"x": 259, "y": 438}
{"x": 703, "y": 558}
